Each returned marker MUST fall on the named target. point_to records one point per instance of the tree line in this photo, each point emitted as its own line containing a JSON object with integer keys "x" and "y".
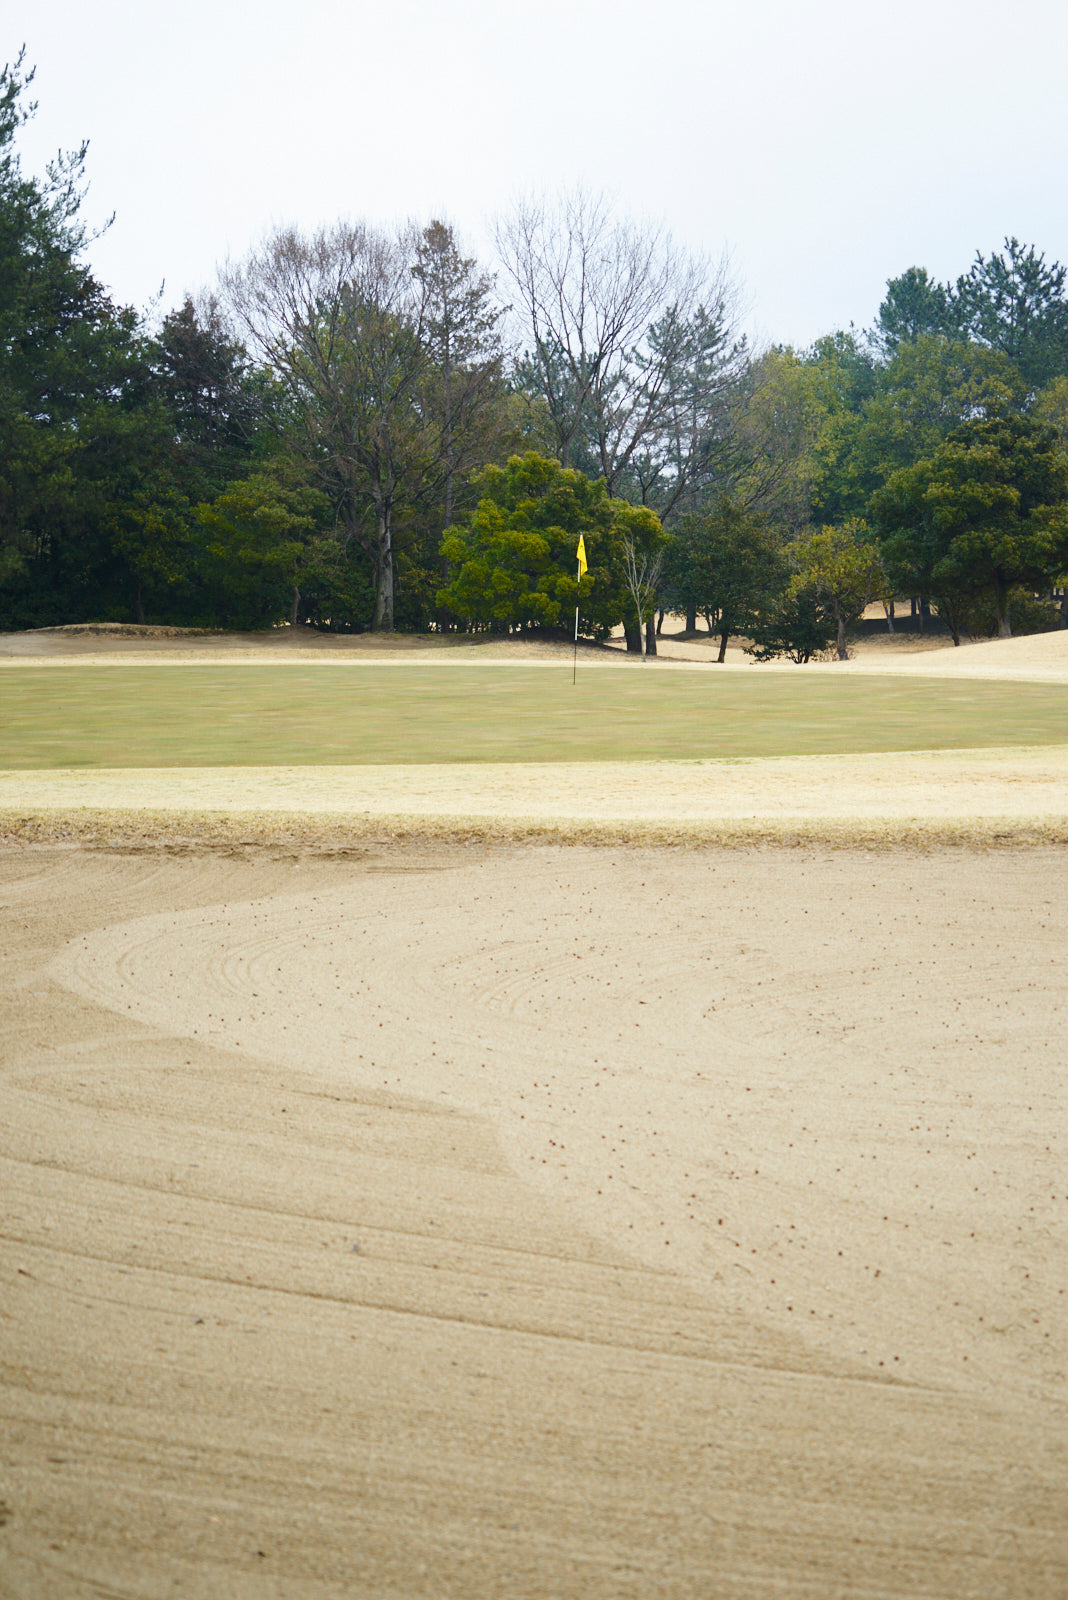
{"x": 365, "y": 428}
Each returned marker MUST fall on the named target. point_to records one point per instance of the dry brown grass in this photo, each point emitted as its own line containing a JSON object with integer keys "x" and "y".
{"x": 309, "y": 833}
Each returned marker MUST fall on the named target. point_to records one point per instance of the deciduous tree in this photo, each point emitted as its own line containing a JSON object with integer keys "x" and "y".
{"x": 339, "y": 316}
{"x": 841, "y": 569}
{"x": 627, "y": 335}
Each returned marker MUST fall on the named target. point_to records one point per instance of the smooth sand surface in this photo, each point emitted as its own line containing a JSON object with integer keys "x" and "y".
{"x": 421, "y": 1218}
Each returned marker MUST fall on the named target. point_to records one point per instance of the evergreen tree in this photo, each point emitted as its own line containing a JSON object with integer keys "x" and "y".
{"x": 78, "y": 429}
{"x": 513, "y": 561}
{"x": 986, "y": 511}
{"x": 1015, "y": 303}
{"x": 915, "y": 307}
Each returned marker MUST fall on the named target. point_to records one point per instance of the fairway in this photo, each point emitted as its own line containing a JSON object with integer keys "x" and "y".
{"x": 294, "y": 715}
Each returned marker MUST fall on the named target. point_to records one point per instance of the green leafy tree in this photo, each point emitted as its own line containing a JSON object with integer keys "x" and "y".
{"x": 513, "y": 562}
{"x": 840, "y": 568}
{"x": 795, "y": 423}
{"x": 1050, "y": 408}
{"x": 987, "y": 511}
{"x": 106, "y": 441}
{"x": 256, "y": 546}
{"x": 1015, "y": 303}
{"x": 928, "y": 387}
{"x": 847, "y": 378}
{"x": 727, "y": 564}
{"x": 225, "y": 412}
{"x": 837, "y": 572}
{"x": 915, "y": 307}
{"x": 780, "y": 417}
{"x": 72, "y": 375}
{"x": 796, "y": 625}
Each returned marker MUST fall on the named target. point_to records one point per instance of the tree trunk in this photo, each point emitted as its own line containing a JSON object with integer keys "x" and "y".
{"x": 691, "y": 619}
{"x": 383, "y": 616}
{"x": 1004, "y": 620}
{"x": 650, "y": 638}
{"x": 723, "y": 646}
{"x": 633, "y": 637}
{"x": 294, "y": 610}
{"x": 659, "y": 621}
{"x": 888, "y": 607}
{"x": 843, "y": 653}
{"x": 447, "y": 440}
{"x": 949, "y": 614}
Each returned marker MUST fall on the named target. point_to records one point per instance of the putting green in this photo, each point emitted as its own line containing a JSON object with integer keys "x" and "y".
{"x": 223, "y": 715}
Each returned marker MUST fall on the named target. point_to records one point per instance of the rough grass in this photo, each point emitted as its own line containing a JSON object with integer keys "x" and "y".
{"x": 299, "y": 834}
{"x": 241, "y": 715}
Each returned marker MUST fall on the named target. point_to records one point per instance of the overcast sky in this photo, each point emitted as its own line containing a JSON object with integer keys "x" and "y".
{"x": 826, "y": 145}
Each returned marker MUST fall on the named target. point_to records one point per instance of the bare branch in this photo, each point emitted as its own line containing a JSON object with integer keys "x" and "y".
{"x": 338, "y": 315}
{"x": 632, "y": 337}
{"x": 642, "y": 569}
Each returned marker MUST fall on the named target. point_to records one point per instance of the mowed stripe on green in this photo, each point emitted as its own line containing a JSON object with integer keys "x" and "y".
{"x": 223, "y": 715}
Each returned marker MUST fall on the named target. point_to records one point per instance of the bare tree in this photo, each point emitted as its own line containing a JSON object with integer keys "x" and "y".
{"x": 338, "y": 315}
{"x": 620, "y": 321}
{"x": 642, "y": 569}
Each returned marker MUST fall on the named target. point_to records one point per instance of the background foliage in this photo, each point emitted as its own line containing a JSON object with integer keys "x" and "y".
{"x": 353, "y": 430}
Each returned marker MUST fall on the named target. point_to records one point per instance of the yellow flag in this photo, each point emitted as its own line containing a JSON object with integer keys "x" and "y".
{"x": 581, "y": 554}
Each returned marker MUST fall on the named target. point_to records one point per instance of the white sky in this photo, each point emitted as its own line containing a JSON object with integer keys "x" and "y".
{"x": 829, "y": 145}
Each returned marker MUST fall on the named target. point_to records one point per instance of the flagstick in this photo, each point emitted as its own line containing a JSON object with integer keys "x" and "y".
{"x": 580, "y": 555}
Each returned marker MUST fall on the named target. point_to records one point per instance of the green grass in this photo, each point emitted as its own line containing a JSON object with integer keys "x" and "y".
{"x": 149, "y": 716}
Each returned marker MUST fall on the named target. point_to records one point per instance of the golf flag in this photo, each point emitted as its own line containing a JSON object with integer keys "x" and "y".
{"x": 580, "y": 555}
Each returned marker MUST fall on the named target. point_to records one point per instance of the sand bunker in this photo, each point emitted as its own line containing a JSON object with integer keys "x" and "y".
{"x": 552, "y": 1222}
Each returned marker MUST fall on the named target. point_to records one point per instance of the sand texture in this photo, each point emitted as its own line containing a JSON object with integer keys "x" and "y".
{"x": 403, "y": 1206}
{"x": 553, "y": 1222}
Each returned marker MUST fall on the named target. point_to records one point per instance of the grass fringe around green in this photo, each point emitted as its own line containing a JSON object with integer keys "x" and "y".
{"x": 194, "y": 833}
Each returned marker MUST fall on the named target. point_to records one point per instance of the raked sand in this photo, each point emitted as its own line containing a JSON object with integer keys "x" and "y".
{"x": 425, "y": 1218}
